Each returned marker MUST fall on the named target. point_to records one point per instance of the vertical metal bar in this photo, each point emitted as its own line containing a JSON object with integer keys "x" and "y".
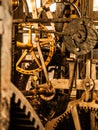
{"x": 92, "y": 121}
{"x": 35, "y": 15}
{"x": 76, "y": 118}
{"x": 88, "y": 68}
{"x": 43, "y": 63}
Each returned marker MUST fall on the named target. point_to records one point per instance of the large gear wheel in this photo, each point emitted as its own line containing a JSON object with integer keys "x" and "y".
{"x": 26, "y": 111}
{"x": 81, "y": 36}
{"x": 47, "y": 47}
{"x": 73, "y": 112}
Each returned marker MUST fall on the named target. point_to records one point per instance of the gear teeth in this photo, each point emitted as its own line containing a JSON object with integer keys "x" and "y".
{"x": 67, "y": 111}
{"x": 24, "y": 104}
{"x": 55, "y": 124}
{"x": 87, "y": 109}
{"x": 17, "y": 99}
{"x": 91, "y": 108}
{"x": 57, "y": 121}
{"x": 65, "y": 114}
{"x": 85, "y": 106}
{"x": 21, "y": 105}
{"x": 95, "y": 109}
{"x": 54, "y": 127}
{"x": 61, "y": 118}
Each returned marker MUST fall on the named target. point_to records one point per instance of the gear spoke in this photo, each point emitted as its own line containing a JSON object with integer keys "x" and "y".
{"x": 46, "y": 42}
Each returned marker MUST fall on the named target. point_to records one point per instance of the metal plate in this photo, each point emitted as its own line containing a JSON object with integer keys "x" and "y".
{"x": 81, "y": 36}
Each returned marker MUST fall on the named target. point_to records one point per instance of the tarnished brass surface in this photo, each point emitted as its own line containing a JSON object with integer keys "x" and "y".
{"x": 45, "y": 42}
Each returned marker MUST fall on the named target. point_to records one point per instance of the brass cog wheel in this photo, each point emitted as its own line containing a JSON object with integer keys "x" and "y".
{"x": 46, "y": 41}
{"x": 74, "y": 114}
{"x": 23, "y": 109}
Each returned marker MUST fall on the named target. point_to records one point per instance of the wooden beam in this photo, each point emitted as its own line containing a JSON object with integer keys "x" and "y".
{"x": 5, "y": 44}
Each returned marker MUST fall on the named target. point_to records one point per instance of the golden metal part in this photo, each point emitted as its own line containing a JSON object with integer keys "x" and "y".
{"x": 29, "y": 44}
{"x": 15, "y": 4}
{"x": 49, "y": 93}
{"x": 31, "y": 48}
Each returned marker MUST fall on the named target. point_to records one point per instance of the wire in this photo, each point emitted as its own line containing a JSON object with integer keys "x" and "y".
{"x": 75, "y": 7}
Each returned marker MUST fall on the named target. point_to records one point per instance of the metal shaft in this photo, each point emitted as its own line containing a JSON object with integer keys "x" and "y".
{"x": 76, "y": 118}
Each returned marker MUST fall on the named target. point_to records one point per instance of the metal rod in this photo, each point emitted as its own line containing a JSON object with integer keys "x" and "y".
{"x": 43, "y": 63}
{"x": 88, "y": 68}
{"x": 26, "y": 7}
{"x": 40, "y": 30}
{"x": 76, "y": 118}
{"x": 42, "y": 20}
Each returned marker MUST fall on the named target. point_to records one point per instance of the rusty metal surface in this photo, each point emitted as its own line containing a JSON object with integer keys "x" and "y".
{"x": 81, "y": 36}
